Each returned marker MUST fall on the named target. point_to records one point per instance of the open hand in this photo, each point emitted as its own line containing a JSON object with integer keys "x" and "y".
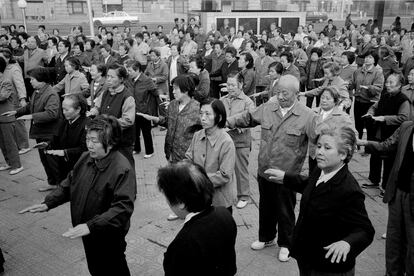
{"x": 56, "y": 152}
{"x": 362, "y": 142}
{"x": 379, "y": 118}
{"x": 37, "y": 208}
{"x": 339, "y": 250}
{"x": 78, "y": 231}
{"x": 25, "y": 117}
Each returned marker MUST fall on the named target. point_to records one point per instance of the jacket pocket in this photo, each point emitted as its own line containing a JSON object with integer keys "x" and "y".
{"x": 292, "y": 137}
{"x": 266, "y": 132}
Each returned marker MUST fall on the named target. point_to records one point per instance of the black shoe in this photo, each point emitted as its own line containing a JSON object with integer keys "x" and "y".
{"x": 370, "y": 186}
{"x": 382, "y": 193}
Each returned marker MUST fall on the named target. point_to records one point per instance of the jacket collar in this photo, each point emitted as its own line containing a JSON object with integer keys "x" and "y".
{"x": 212, "y": 138}
{"x": 103, "y": 163}
{"x": 294, "y": 110}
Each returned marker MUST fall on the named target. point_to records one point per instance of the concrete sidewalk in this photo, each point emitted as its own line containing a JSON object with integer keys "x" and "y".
{"x": 33, "y": 244}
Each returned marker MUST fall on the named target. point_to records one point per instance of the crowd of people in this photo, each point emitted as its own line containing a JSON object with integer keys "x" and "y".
{"x": 89, "y": 98}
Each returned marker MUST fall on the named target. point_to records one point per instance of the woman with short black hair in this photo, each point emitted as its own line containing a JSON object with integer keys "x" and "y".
{"x": 74, "y": 81}
{"x": 101, "y": 189}
{"x": 246, "y": 65}
{"x": 214, "y": 149}
{"x": 205, "y": 244}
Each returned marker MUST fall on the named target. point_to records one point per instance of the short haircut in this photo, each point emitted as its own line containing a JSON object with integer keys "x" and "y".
{"x": 185, "y": 83}
{"x": 156, "y": 52}
{"x": 333, "y": 67}
{"x": 91, "y": 42}
{"x": 130, "y": 41}
{"x": 345, "y": 138}
{"x": 375, "y": 55}
{"x": 220, "y": 115}
{"x": 236, "y": 75}
{"x": 316, "y": 50}
{"x": 155, "y": 33}
{"x": 3, "y": 65}
{"x": 298, "y": 43}
{"x": 333, "y": 91}
{"x": 186, "y": 183}
{"x": 350, "y": 56}
{"x": 399, "y": 76}
{"x": 288, "y": 55}
{"x": 135, "y": 65}
{"x": 78, "y": 101}
{"x": 139, "y": 35}
{"x": 66, "y": 43}
{"x": 24, "y": 35}
{"x": 191, "y": 34}
{"x": 199, "y": 62}
{"x": 101, "y": 67}
{"x": 80, "y": 44}
{"x": 278, "y": 67}
{"x": 107, "y": 47}
{"x": 120, "y": 71}
{"x": 252, "y": 44}
{"x": 53, "y": 39}
{"x": 40, "y": 74}
{"x": 249, "y": 59}
{"x": 108, "y": 129}
{"x": 42, "y": 27}
{"x": 4, "y": 36}
{"x": 177, "y": 46}
{"x": 218, "y": 42}
{"x": 74, "y": 62}
{"x": 232, "y": 51}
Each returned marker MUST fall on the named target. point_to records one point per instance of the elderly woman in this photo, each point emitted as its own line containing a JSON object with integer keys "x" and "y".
{"x": 368, "y": 82}
{"x": 157, "y": 70}
{"x": 101, "y": 189}
{"x": 384, "y": 117}
{"x": 331, "y": 78}
{"x": 43, "y": 111}
{"x": 74, "y": 81}
{"x": 119, "y": 102}
{"x": 205, "y": 244}
{"x": 214, "y": 149}
{"x": 237, "y": 102}
{"x": 329, "y": 114}
{"x": 67, "y": 146}
{"x": 333, "y": 227}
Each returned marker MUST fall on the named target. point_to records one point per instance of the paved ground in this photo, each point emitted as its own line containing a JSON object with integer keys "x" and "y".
{"x": 33, "y": 244}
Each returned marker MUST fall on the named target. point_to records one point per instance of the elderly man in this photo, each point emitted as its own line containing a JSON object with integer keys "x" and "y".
{"x": 286, "y": 129}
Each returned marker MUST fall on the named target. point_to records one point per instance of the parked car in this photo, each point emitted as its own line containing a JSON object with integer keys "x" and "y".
{"x": 115, "y": 17}
{"x": 314, "y": 16}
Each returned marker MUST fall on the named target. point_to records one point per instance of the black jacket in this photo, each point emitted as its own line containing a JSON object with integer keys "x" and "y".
{"x": 204, "y": 246}
{"x": 331, "y": 212}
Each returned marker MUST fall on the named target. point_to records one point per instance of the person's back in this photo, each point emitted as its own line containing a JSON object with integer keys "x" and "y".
{"x": 204, "y": 246}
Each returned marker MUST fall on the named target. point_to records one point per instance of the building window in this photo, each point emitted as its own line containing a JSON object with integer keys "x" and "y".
{"x": 77, "y": 7}
{"x": 144, "y": 6}
{"x": 180, "y": 6}
{"x": 240, "y": 5}
{"x": 269, "y": 5}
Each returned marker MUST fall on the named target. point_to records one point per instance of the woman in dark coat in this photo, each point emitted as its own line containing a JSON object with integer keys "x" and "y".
{"x": 101, "y": 189}
{"x": 43, "y": 113}
{"x": 69, "y": 144}
{"x": 333, "y": 227}
{"x": 205, "y": 244}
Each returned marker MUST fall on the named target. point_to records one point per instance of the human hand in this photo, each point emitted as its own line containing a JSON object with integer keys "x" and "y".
{"x": 366, "y": 116}
{"x": 25, "y": 117}
{"x": 37, "y": 208}
{"x": 379, "y": 118}
{"x": 361, "y": 142}
{"x": 363, "y": 86}
{"x": 56, "y": 152}
{"x": 320, "y": 79}
{"x": 23, "y": 102}
{"x": 339, "y": 250}
{"x": 9, "y": 113}
{"x": 78, "y": 231}
{"x": 301, "y": 94}
{"x": 275, "y": 175}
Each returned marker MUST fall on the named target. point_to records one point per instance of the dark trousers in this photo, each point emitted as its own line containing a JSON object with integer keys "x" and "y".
{"x": 29, "y": 88}
{"x": 145, "y": 125}
{"x": 376, "y": 165}
{"x": 1, "y": 261}
{"x": 309, "y": 101}
{"x": 360, "y": 109}
{"x": 58, "y": 168}
{"x": 8, "y": 144}
{"x": 22, "y": 137}
{"x": 399, "y": 245}
{"x": 305, "y": 270}
{"x": 276, "y": 208}
{"x": 49, "y": 165}
{"x": 215, "y": 89}
{"x": 105, "y": 254}
{"x": 170, "y": 92}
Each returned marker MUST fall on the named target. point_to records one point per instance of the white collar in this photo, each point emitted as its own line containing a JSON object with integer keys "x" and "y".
{"x": 286, "y": 109}
{"x": 189, "y": 216}
{"x": 326, "y": 177}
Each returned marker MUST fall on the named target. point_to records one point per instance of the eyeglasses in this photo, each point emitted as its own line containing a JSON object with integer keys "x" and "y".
{"x": 92, "y": 140}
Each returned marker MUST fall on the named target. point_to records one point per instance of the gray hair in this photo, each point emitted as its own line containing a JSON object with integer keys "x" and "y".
{"x": 345, "y": 138}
